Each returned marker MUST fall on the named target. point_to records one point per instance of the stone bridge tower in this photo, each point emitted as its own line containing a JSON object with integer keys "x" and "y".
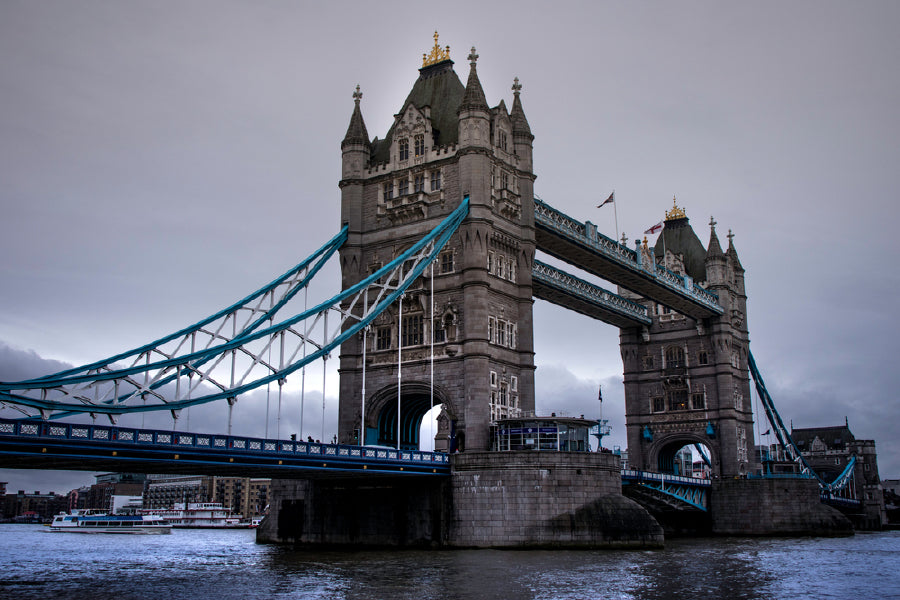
{"x": 687, "y": 381}
{"x": 445, "y": 143}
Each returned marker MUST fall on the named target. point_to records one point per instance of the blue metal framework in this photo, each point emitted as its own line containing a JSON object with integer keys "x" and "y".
{"x": 25, "y": 443}
{"x": 828, "y": 489}
{"x": 231, "y": 352}
{"x": 689, "y": 490}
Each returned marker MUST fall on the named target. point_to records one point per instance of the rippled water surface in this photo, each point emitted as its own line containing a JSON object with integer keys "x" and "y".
{"x": 229, "y": 564}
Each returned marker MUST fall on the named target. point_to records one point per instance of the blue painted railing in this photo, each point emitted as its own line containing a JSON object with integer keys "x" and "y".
{"x": 121, "y": 437}
{"x": 689, "y": 490}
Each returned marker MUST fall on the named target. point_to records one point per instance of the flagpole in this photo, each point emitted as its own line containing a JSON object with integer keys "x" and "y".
{"x": 616, "y": 213}
{"x": 663, "y": 235}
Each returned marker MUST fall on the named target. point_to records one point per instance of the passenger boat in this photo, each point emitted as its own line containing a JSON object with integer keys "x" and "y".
{"x": 99, "y": 522}
{"x": 198, "y": 515}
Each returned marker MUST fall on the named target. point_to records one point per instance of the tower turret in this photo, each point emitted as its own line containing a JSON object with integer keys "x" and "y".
{"x": 355, "y": 154}
{"x": 474, "y": 113}
{"x": 522, "y": 137}
{"x": 716, "y": 262}
{"x": 734, "y": 264}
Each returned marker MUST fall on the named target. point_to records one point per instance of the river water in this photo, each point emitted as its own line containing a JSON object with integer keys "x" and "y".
{"x": 224, "y": 565}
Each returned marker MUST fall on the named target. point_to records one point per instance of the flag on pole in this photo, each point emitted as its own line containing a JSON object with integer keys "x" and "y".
{"x": 655, "y": 228}
{"x": 611, "y": 199}
{"x": 600, "y": 394}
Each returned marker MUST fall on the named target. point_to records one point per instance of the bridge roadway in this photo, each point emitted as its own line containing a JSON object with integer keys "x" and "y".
{"x": 33, "y": 444}
{"x": 580, "y": 244}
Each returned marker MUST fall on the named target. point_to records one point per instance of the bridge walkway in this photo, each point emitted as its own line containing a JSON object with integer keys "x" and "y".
{"x": 579, "y": 244}
{"x": 566, "y": 290}
{"x": 33, "y": 444}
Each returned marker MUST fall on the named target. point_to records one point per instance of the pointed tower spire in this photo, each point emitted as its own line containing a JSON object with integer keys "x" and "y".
{"x": 714, "y": 249}
{"x": 517, "y": 116}
{"x": 473, "y": 99}
{"x": 356, "y": 132}
{"x": 732, "y": 254}
{"x": 715, "y": 262}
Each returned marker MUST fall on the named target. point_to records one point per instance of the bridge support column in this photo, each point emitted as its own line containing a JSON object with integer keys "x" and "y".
{"x": 773, "y": 507}
{"x": 545, "y": 499}
{"x": 491, "y": 500}
{"x": 359, "y": 512}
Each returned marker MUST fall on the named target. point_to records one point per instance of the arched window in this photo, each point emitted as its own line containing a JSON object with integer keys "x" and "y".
{"x": 420, "y": 145}
{"x": 674, "y": 357}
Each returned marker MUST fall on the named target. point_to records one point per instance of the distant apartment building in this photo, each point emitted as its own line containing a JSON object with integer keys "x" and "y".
{"x": 243, "y": 495}
{"x": 34, "y": 507}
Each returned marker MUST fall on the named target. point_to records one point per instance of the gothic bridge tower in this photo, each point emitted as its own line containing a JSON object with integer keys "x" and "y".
{"x": 687, "y": 381}
{"x": 445, "y": 143}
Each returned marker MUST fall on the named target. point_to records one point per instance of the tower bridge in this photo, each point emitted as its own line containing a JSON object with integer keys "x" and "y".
{"x": 438, "y": 249}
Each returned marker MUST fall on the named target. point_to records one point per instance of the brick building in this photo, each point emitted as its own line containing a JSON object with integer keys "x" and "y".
{"x": 31, "y": 507}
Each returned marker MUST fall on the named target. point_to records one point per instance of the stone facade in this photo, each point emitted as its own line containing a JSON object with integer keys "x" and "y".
{"x": 359, "y": 512}
{"x": 491, "y": 500}
{"x": 545, "y": 499}
{"x": 445, "y": 144}
{"x": 687, "y": 381}
{"x": 773, "y": 507}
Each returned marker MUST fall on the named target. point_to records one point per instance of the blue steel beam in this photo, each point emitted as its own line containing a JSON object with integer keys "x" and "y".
{"x": 581, "y": 245}
{"x": 566, "y": 290}
{"x": 80, "y": 391}
{"x": 783, "y": 435}
{"x": 688, "y": 490}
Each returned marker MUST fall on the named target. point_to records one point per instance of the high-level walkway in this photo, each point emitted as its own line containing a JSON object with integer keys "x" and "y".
{"x": 579, "y": 244}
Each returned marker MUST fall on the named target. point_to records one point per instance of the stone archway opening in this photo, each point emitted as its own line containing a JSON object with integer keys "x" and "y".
{"x": 418, "y": 410}
{"x": 688, "y": 458}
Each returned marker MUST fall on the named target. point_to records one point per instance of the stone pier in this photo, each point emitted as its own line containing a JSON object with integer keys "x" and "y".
{"x": 773, "y": 507}
{"x": 491, "y": 500}
{"x": 545, "y": 499}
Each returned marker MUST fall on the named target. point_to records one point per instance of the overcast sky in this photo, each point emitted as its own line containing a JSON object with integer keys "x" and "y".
{"x": 159, "y": 161}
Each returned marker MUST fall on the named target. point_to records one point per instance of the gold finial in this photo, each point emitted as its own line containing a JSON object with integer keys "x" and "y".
{"x": 675, "y": 213}
{"x": 645, "y": 242}
{"x": 437, "y": 55}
